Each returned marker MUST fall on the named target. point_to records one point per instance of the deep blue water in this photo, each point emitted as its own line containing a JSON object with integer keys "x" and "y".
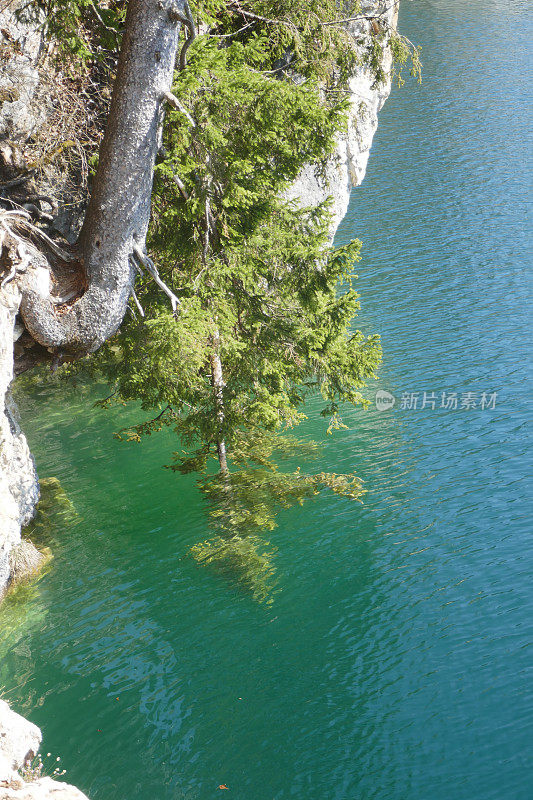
{"x": 393, "y": 663}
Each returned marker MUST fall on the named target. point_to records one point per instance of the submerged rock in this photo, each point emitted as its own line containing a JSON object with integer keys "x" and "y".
{"x": 54, "y": 512}
{"x": 26, "y": 561}
{"x": 23, "y": 560}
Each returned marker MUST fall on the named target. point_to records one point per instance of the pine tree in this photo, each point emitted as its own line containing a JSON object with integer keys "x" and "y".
{"x": 262, "y": 308}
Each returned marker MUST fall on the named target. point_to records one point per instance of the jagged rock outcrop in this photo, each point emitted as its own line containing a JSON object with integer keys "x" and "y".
{"x": 347, "y": 169}
{"x": 19, "y": 744}
{"x": 19, "y": 488}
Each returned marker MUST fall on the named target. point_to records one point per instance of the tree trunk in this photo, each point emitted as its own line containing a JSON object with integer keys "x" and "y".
{"x": 117, "y": 218}
{"x": 71, "y": 302}
{"x": 217, "y": 380}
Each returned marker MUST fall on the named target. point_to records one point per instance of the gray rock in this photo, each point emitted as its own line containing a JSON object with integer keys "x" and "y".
{"x": 25, "y": 561}
{"x": 19, "y": 744}
{"x": 20, "y": 114}
{"x": 19, "y": 739}
{"x": 19, "y": 489}
{"x": 347, "y": 168}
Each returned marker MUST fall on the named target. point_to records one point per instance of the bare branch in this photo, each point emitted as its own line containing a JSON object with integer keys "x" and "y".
{"x": 364, "y": 17}
{"x": 190, "y": 20}
{"x": 228, "y": 35}
{"x": 183, "y": 53}
{"x": 181, "y": 186}
{"x": 21, "y": 219}
{"x": 249, "y": 15}
{"x": 9, "y": 277}
{"x": 175, "y": 103}
{"x": 140, "y": 309}
{"x": 167, "y": 408}
{"x": 97, "y": 14}
{"x": 205, "y": 250}
{"x": 145, "y": 262}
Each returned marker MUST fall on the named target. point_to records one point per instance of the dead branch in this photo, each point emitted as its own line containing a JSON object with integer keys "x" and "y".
{"x": 140, "y": 309}
{"x": 175, "y": 103}
{"x": 146, "y": 263}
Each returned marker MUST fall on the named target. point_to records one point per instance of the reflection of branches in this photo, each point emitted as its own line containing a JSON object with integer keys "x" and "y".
{"x": 243, "y": 560}
{"x": 134, "y": 433}
{"x": 239, "y": 552}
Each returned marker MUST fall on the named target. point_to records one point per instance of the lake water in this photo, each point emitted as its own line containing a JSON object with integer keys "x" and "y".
{"x": 393, "y": 661}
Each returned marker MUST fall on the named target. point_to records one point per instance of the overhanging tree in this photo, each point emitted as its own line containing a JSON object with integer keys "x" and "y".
{"x": 257, "y": 320}
{"x": 73, "y": 299}
{"x": 262, "y": 306}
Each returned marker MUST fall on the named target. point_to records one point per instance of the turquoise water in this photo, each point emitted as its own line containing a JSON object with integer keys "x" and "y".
{"x": 393, "y": 661}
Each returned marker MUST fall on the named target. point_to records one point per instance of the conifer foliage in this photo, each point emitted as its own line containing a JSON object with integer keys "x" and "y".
{"x": 263, "y": 308}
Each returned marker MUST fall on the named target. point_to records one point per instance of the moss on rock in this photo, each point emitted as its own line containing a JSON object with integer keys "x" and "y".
{"x": 26, "y": 561}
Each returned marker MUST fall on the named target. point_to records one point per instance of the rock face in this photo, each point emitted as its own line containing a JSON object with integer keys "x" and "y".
{"x": 20, "y": 113}
{"x": 19, "y": 488}
{"x": 22, "y": 109}
{"x": 348, "y": 167}
{"x": 19, "y": 744}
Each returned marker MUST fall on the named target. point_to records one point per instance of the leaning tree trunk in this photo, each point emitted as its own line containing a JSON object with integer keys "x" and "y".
{"x": 100, "y": 268}
{"x": 63, "y": 302}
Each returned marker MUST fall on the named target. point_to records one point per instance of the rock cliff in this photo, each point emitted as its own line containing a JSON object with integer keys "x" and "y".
{"x": 347, "y": 169}
{"x": 20, "y": 114}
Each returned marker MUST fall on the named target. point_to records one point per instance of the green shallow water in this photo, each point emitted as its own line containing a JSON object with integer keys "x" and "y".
{"x": 392, "y": 663}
